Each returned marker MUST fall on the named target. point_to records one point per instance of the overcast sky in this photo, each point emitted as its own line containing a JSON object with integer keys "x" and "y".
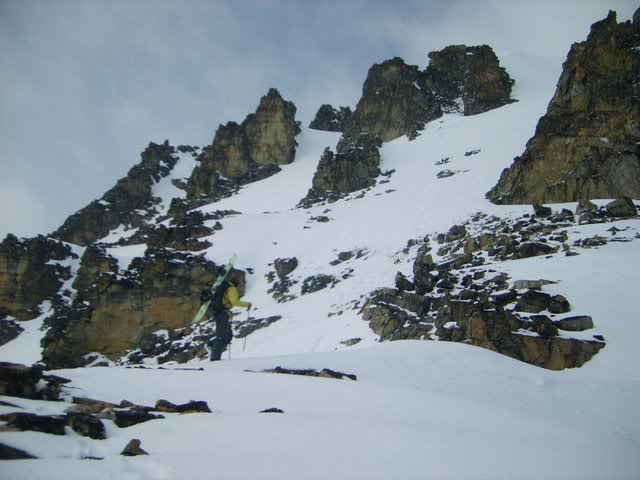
{"x": 86, "y": 84}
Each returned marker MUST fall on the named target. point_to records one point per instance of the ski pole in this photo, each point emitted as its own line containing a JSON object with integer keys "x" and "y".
{"x": 244, "y": 344}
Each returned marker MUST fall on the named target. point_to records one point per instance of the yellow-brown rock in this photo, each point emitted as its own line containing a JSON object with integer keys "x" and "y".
{"x": 587, "y": 144}
{"x": 110, "y": 316}
{"x": 248, "y": 151}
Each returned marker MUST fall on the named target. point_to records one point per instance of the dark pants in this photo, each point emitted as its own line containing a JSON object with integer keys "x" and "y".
{"x": 223, "y": 336}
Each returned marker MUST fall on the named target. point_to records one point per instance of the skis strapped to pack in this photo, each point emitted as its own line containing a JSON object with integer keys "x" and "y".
{"x": 200, "y": 316}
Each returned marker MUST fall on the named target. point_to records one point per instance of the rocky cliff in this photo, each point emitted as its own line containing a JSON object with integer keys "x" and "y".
{"x": 130, "y": 202}
{"x": 330, "y": 119}
{"x": 249, "y": 151}
{"x": 114, "y": 309}
{"x": 588, "y": 143}
{"x": 393, "y": 102}
{"x": 400, "y": 99}
{"x": 109, "y": 309}
{"x": 468, "y": 80}
{"x": 353, "y": 167}
{"x": 31, "y": 271}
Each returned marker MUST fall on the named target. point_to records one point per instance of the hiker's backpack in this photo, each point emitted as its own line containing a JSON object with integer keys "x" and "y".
{"x": 216, "y": 305}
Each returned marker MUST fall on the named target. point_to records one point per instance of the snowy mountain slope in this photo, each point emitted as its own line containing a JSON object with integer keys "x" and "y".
{"x": 418, "y": 409}
{"x": 414, "y": 203}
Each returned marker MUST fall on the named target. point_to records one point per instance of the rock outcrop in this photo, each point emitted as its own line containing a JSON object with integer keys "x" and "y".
{"x": 330, "y": 119}
{"x": 31, "y": 271}
{"x": 468, "y": 80}
{"x": 588, "y": 143}
{"x": 17, "y": 380}
{"x": 249, "y": 151}
{"x": 113, "y": 310}
{"x": 353, "y": 167}
{"x": 393, "y": 102}
{"x": 400, "y": 99}
{"x": 129, "y": 203}
{"x": 458, "y": 293}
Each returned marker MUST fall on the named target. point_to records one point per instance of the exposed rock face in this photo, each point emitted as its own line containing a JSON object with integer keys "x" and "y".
{"x": 331, "y": 120}
{"x": 461, "y": 295}
{"x": 468, "y": 79}
{"x": 353, "y": 167}
{"x": 29, "y": 274}
{"x": 113, "y": 310}
{"x": 399, "y": 99}
{"x": 249, "y": 151}
{"x": 587, "y": 144}
{"x": 130, "y": 202}
{"x": 17, "y": 380}
{"x": 393, "y": 102}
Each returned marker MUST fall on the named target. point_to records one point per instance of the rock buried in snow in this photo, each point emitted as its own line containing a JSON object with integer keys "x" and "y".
{"x": 272, "y": 410}
{"x": 124, "y": 419}
{"x": 531, "y": 284}
{"x": 87, "y": 425}
{"x": 324, "y": 373}
{"x": 52, "y": 424}
{"x": 133, "y": 449}
{"x": 11, "y": 453}
{"x": 534, "y": 249}
{"x": 189, "y": 407}
{"x": 316, "y": 283}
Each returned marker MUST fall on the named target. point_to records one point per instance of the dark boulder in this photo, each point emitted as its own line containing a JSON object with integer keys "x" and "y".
{"x": 575, "y": 324}
{"x": 9, "y": 330}
{"x": 273, "y": 410}
{"x": 541, "y": 210}
{"x": 133, "y": 449}
{"x": 87, "y": 425}
{"x": 19, "y": 380}
{"x": 189, "y": 407}
{"x": 404, "y": 284}
{"x": 125, "y": 418}
{"x": 622, "y": 207}
{"x": 534, "y": 249}
{"x": 53, "y": 424}
{"x": 284, "y": 266}
{"x": 422, "y": 268}
{"x": 559, "y": 304}
{"x": 533, "y": 301}
{"x": 544, "y": 326}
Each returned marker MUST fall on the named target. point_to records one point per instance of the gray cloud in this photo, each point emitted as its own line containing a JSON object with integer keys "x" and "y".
{"x": 84, "y": 86}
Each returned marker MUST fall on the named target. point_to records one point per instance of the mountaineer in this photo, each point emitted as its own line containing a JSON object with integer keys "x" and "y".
{"x": 221, "y": 301}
